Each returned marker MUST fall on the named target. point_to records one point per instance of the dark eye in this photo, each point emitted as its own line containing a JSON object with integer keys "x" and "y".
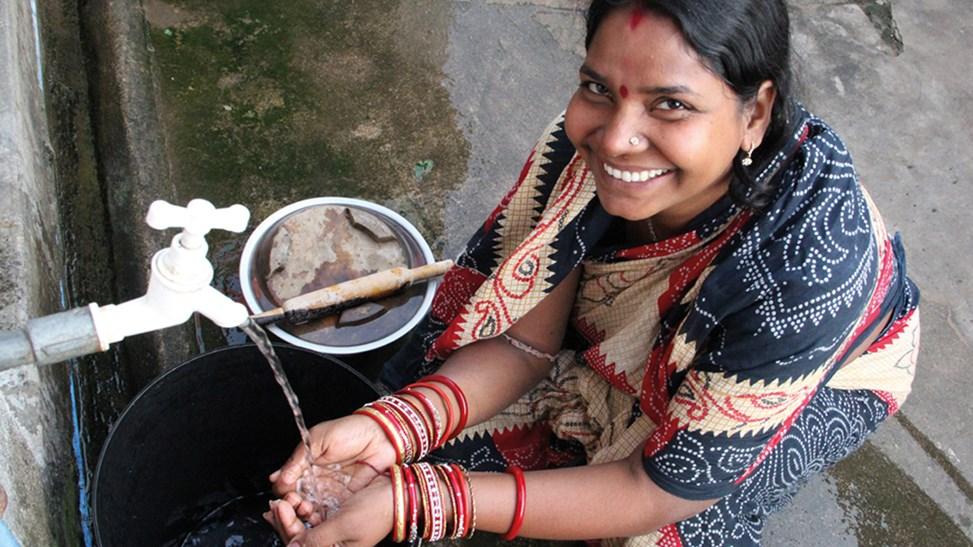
{"x": 595, "y": 88}
{"x": 671, "y": 104}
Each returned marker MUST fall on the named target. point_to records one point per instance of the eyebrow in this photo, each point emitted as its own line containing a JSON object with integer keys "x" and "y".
{"x": 656, "y": 90}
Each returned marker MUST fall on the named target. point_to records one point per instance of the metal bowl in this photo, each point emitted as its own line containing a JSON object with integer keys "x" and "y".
{"x": 402, "y": 311}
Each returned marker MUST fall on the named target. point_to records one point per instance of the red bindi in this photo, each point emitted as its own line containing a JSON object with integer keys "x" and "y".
{"x": 637, "y": 15}
{"x": 623, "y": 91}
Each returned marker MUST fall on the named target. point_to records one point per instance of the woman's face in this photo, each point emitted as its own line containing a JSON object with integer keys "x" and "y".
{"x": 641, "y": 79}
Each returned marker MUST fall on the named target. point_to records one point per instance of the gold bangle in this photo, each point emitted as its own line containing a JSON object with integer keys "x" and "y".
{"x": 424, "y": 497}
{"x": 398, "y": 507}
{"x": 472, "y": 505}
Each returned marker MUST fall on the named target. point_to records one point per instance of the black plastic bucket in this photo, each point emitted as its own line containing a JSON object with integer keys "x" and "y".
{"x": 197, "y": 444}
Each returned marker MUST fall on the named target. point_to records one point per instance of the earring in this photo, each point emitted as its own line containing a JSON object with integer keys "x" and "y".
{"x": 748, "y": 161}
{"x": 634, "y": 141}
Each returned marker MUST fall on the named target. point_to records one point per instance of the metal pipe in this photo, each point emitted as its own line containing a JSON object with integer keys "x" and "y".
{"x": 50, "y": 339}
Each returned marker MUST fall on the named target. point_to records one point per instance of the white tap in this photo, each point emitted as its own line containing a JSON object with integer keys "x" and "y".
{"x": 179, "y": 285}
{"x": 180, "y": 280}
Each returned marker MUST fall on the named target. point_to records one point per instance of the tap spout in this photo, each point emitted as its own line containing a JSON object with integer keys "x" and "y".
{"x": 167, "y": 303}
{"x": 179, "y": 286}
{"x": 220, "y": 309}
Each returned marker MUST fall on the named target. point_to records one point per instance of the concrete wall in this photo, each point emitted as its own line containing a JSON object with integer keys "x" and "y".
{"x": 36, "y": 464}
{"x": 132, "y": 166}
{"x": 81, "y": 157}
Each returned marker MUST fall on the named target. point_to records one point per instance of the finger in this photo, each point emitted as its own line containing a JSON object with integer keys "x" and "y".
{"x": 271, "y": 517}
{"x": 290, "y": 525}
{"x": 305, "y": 510}
{"x": 320, "y": 536}
{"x": 274, "y": 476}
{"x": 293, "y": 468}
{"x": 293, "y": 498}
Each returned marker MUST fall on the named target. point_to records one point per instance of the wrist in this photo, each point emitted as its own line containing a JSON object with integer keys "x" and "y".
{"x": 381, "y": 451}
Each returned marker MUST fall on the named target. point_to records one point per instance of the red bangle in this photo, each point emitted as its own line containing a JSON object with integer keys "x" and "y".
{"x": 412, "y": 420}
{"x": 470, "y": 502}
{"x": 459, "y": 501}
{"x": 521, "y": 505}
{"x": 424, "y": 501}
{"x": 449, "y": 409}
{"x": 413, "y": 506}
{"x": 389, "y": 413}
{"x": 442, "y": 472}
{"x": 464, "y": 408}
{"x": 427, "y": 408}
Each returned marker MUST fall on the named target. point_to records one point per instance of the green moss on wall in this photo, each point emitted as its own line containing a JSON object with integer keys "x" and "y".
{"x": 268, "y": 103}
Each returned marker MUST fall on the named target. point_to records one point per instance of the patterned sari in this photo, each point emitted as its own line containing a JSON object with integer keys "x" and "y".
{"x": 720, "y": 353}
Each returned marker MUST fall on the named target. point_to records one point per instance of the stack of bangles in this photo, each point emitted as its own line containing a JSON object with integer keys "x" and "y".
{"x": 412, "y": 422}
{"x": 431, "y": 502}
{"x": 435, "y": 502}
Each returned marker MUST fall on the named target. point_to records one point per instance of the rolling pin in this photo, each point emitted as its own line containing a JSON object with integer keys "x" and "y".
{"x": 335, "y": 298}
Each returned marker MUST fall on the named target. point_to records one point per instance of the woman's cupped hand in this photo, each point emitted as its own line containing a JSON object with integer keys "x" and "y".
{"x": 346, "y": 441}
{"x": 363, "y": 520}
{"x": 354, "y": 446}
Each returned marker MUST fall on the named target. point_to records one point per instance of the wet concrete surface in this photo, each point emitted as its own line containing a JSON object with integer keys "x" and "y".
{"x": 266, "y": 104}
{"x": 429, "y": 107}
{"x": 269, "y": 103}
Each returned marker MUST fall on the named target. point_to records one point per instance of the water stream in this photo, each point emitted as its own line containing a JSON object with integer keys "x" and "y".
{"x": 326, "y": 486}
{"x": 262, "y": 340}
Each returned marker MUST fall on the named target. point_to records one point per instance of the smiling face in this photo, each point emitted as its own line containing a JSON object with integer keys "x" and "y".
{"x": 642, "y": 82}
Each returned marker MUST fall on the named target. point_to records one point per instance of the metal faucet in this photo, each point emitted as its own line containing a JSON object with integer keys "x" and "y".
{"x": 179, "y": 285}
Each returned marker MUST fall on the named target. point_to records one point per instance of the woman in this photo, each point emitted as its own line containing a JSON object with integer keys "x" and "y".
{"x": 685, "y": 307}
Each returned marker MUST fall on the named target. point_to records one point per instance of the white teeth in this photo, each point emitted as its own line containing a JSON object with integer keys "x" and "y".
{"x": 634, "y": 176}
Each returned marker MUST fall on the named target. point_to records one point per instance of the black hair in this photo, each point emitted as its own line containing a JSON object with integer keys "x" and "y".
{"x": 744, "y": 42}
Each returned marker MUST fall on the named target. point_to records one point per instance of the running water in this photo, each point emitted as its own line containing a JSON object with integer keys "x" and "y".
{"x": 326, "y": 486}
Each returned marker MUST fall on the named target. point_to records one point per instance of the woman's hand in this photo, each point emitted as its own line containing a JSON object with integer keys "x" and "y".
{"x": 345, "y": 441}
{"x": 364, "y": 520}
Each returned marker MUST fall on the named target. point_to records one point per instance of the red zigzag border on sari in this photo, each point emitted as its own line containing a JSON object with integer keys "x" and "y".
{"x": 559, "y": 208}
{"x": 655, "y": 394}
{"x": 459, "y": 285}
{"x": 598, "y": 360}
{"x": 505, "y": 202}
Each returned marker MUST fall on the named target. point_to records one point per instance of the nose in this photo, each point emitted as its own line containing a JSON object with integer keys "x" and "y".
{"x": 625, "y": 132}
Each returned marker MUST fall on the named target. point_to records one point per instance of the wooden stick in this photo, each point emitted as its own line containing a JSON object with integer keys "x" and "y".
{"x": 353, "y": 292}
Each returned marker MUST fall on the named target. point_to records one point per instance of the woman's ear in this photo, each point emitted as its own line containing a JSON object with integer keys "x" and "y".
{"x": 760, "y": 111}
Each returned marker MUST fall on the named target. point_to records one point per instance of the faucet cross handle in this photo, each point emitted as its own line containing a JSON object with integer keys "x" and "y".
{"x": 197, "y": 218}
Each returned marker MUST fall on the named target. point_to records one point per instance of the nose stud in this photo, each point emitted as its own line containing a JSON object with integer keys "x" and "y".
{"x": 634, "y": 141}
